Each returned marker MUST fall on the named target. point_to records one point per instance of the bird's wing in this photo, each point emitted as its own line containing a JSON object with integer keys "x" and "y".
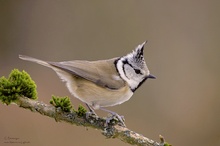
{"x": 102, "y": 73}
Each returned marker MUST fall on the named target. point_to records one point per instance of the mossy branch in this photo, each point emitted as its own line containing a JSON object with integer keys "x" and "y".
{"x": 19, "y": 88}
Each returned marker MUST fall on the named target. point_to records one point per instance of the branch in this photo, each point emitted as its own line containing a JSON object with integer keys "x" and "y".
{"x": 20, "y": 89}
{"x": 111, "y": 131}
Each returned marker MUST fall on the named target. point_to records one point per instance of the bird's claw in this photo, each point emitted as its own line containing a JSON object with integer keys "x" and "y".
{"x": 115, "y": 116}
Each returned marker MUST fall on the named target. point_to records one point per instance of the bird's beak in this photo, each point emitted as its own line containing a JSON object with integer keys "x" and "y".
{"x": 151, "y": 76}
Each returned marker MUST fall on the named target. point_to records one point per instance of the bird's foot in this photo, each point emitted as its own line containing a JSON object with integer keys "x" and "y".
{"x": 117, "y": 117}
{"x": 91, "y": 112}
{"x": 114, "y": 116}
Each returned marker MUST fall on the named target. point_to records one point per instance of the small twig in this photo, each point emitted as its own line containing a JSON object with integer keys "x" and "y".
{"x": 111, "y": 131}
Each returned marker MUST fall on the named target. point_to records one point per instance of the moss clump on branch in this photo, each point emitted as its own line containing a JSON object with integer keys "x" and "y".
{"x": 65, "y": 104}
{"x": 17, "y": 84}
{"x": 81, "y": 111}
{"x": 167, "y": 144}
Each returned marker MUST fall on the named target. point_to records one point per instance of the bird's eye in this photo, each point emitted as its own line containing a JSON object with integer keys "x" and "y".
{"x": 137, "y": 71}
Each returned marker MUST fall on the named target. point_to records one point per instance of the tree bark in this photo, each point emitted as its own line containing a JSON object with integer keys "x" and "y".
{"x": 111, "y": 131}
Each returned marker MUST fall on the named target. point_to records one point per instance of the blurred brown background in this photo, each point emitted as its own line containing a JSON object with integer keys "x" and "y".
{"x": 183, "y": 51}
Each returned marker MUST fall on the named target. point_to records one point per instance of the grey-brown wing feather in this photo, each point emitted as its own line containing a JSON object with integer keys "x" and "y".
{"x": 102, "y": 73}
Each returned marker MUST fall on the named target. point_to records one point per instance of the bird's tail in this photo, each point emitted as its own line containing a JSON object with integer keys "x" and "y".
{"x": 41, "y": 62}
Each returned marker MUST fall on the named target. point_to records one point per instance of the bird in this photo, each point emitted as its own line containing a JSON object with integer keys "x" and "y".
{"x": 102, "y": 83}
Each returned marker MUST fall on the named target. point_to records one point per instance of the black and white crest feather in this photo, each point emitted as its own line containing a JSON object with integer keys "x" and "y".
{"x": 132, "y": 67}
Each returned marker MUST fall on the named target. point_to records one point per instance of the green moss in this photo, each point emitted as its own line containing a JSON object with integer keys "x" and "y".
{"x": 17, "y": 84}
{"x": 81, "y": 111}
{"x": 167, "y": 144}
{"x": 63, "y": 102}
